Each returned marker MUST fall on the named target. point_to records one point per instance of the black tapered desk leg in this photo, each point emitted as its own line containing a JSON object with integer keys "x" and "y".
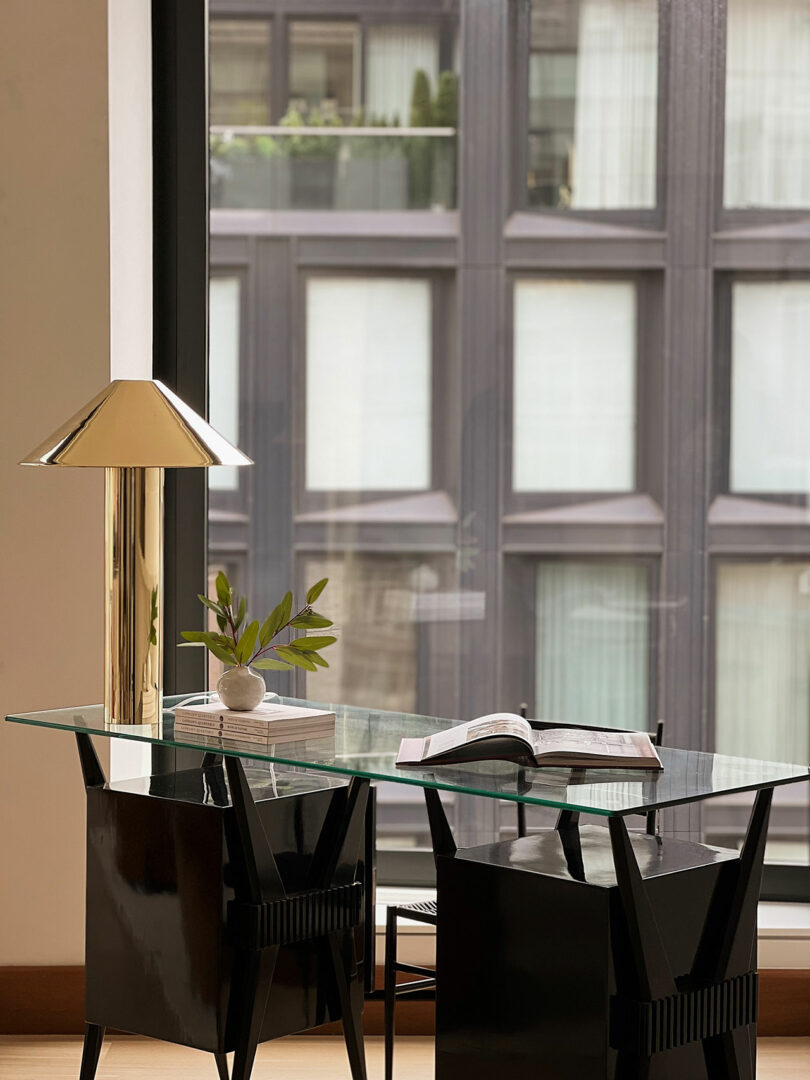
{"x": 222, "y": 1066}
{"x": 390, "y": 990}
{"x": 93, "y": 1038}
{"x": 258, "y": 968}
{"x": 344, "y": 974}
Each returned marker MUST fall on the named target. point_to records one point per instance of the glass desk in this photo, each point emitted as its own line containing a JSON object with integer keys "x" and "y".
{"x": 367, "y": 740}
{"x": 225, "y": 906}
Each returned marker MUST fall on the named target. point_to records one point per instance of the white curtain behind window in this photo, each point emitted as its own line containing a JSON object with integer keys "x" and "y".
{"x": 593, "y": 627}
{"x": 393, "y": 56}
{"x": 574, "y": 386}
{"x": 368, "y": 372}
{"x": 767, "y": 151}
{"x": 763, "y": 661}
{"x": 616, "y": 105}
{"x": 770, "y": 386}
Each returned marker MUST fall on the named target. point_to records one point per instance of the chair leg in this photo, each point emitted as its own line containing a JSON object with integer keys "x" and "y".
{"x": 222, "y": 1065}
{"x": 93, "y": 1038}
{"x": 390, "y": 990}
{"x": 351, "y": 1004}
{"x": 259, "y": 968}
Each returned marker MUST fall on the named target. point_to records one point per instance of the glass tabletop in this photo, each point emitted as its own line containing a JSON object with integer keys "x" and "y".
{"x": 366, "y": 742}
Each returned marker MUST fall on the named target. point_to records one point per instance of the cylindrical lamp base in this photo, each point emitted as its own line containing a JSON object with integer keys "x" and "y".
{"x": 133, "y": 615}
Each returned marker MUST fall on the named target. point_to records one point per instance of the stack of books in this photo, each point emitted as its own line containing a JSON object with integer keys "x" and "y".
{"x": 266, "y": 724}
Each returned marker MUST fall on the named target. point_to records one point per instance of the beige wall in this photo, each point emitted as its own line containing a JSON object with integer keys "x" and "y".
{"x": 54, "y": 354}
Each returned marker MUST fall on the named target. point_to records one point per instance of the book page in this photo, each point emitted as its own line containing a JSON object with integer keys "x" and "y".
{"x": 483, "y": 727}
{"x": 616, "y": 744}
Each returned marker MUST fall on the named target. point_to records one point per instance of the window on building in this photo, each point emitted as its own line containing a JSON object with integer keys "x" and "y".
{"x": 593, "y": 104}
{"x": 574, "y": 385}
{"x": 368, "y": 363}
{"x": 239, "y": 71}
{"x": 324, "y": 68}
{"x": 593, "y": 643}
{"x": 767, "y": 119}
{"x": 395, "y": 54}
{"x": 762, "y": 687}
{"x": 770, "y": 386}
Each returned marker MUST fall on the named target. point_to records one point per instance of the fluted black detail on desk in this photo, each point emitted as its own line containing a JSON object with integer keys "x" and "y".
{"x": 650, "y": 1027}
{"x": 298, "y": 917}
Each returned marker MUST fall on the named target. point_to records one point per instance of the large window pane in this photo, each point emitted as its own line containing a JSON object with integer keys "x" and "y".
{"x": 223, "y": 371}
{"x": 593, "y": 629}
{"x": 762, "y": 691}
{"x": 767, "y": 151}
{"x": 593, "y": 93}
{"x": 574, "y": 386}
{"x": 770, "y": 386}
{"x": 368, "y": 424}
{"x": 324, "y": 66}
{"x": 240, "y": 71}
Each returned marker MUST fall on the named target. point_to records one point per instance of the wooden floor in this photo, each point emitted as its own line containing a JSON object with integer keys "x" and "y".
{"x": 57, "y": 1058}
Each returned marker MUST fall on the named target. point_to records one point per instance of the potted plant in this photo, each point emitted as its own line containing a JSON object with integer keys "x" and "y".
{"x": 244, "y": 645}
{"x": 373, "y": 170}
{"x": 249, "y": 172}
{"x": 312, "y": 159}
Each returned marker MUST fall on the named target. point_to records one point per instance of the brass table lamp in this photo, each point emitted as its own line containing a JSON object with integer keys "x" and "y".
{"x": 134, "y": 429}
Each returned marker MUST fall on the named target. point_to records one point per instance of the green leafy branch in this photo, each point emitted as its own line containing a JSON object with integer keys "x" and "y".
{"x": 242, "y": 643}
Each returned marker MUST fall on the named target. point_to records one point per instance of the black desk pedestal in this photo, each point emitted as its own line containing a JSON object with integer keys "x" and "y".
{"x": 172, "y": 952}
{"x": 539, "y": 962}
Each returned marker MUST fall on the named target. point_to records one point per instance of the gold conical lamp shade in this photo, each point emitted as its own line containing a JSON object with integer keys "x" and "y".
{"x": 134, "y": 430}
{"x": 136, "y": 424}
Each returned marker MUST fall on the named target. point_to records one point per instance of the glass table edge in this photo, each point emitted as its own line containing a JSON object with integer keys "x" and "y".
{"x": 412, "y": 781}
{"x": 275, "y": 759}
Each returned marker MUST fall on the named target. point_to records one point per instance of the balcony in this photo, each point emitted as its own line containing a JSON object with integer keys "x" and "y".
{"x": 331, "y": 166}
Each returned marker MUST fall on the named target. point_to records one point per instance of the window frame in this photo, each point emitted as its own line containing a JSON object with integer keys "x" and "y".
{"x": 737, "y": 217}
{"x": 256, "y": 17}
{"x": 520, "y": 631}
{"x": 441, "y": 422}
{"x": 722, "y": 391}
{"x": 647, "y": 393}
{"x": 652, "y": 217}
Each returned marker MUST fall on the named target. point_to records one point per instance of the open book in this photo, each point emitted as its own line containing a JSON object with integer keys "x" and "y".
{"x": 508, "y": 737}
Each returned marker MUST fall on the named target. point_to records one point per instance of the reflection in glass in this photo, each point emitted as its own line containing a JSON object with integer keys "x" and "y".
{"x": 393, "y": 648}
{"x": 767, "y": 122}
{"x": 368, "y": 372}
{"x": 239, "y": 71}
{"x": 223, "y": 372}
{"x": 574, "y": 386}
{"x": 593, "y": 102}
{"x": 593, "y": 627}
{"x": 770, "y": 386}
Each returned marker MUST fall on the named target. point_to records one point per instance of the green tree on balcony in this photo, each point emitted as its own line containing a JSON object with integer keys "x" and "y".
{"x": 420, "y": 150}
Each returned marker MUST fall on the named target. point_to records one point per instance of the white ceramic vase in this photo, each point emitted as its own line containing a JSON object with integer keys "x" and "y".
{"x": 240, "y": 688}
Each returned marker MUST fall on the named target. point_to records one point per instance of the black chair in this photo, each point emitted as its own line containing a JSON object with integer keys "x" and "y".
{"x": 425, "y": 911}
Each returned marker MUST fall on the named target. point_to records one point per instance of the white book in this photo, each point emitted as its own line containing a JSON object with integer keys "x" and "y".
{"x": 270, "y": 722}
{"x": 508, "y": 737}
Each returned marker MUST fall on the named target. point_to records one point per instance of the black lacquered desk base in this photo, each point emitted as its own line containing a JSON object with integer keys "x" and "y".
{"x": 225, "y": 908}
{"x": 595, "y": 954}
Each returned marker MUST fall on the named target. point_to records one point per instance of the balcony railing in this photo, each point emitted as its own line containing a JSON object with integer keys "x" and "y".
{"x": 284, "y": 167}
